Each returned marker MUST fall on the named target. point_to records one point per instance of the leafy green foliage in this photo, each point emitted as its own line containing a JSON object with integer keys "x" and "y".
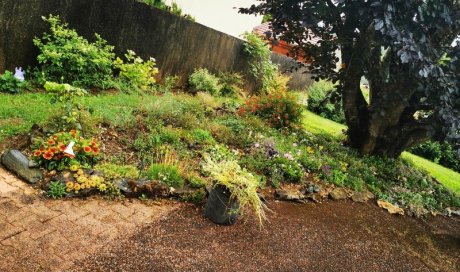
{"x": 232, "y": 84}
{"x": 67, "y": 95}
{"x": 113, "y": 171}
{"x": 201, "y": 80}
{"x": 195, "y": 181}
{"x": 174, "y": 8}
{"x": 324, "y": 101}
{"x": 166, "y": 173}
{"x": 262, "y": 69}
{"x": 56, "y": 190}
{"x": 10, "y": 84}
{"x": 280, "y": 110}
{"x": 135, "y": 72}
{"x": 440, "y": 153}
{"x": 67, "y": 57}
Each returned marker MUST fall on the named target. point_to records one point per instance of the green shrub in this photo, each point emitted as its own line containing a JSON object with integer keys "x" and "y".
{"x": 67, "y": 57}
{"x": 440, "y": 153}
{"x": 323, "y": 100}
{"x": 280, "y": 110}
{"x": 201, "y": 80}
{"x": 56, "y": 190}
{"x": 9, "y": 83}
{"x": 195, "y": 181}
{"x": 113, "y": 171}
{"x": 232, "y": 84}
{"x": 262, "y": 69}
{"x": 286, "y": 169}
{"x": 135, "y": 72}
{"x": 168, "y": 84}
{"x": 166, "y": 173}
{"x": 201, "y": 136}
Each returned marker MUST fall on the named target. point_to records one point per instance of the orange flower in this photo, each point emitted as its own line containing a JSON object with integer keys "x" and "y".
{"x": 48, "y": 155}
{"x": 96, "y": 150}
{"x": 42, "y": 148}
{"x": 62, "y": 147}
{"x": 51, "y": 142}
{"x": 37, "y": 153}
{"x": 53, "y": 149}
{"x": 55, "y": 137}
{"x": 73, "y": 132}
{"x": 87, "y": 149}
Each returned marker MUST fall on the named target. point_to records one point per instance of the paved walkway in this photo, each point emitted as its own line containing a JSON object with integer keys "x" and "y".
{"x": 40, "y": 234}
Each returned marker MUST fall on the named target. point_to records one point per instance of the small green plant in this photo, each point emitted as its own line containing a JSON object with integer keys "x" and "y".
{"x": 324, "y": 100}
{"x": 67, "y": 95}
{"x": 262, "y": 69}
{"x": 135, "y": 72}
{"x": 201, "y": 136}
{"x": 67, "y": 57}
{"x": 241, "y": 184}
{"x": 201, "y": 80}
{"x": 288, "y": 169}
{"x": 280, "y": 110}
{"x": 56, "y": 190}
{"x": 195, "y": 181}
{"x": 232, "y": 84}
{"x": 113, "y": 171}
{"x": 166, "y": 173}
{"x": 12, "y": 83}
{"x": 168, "y": 84}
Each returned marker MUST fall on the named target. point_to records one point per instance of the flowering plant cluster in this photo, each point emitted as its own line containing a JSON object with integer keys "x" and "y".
{"x": 51, "y": 152}
{"x": 82, "y": 181}
{"x": 280, "y": 110}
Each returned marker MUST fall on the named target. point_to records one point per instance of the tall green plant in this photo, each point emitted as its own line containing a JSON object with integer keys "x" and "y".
{"x": 262, "y": 69}
{"x": 69, "y": 58}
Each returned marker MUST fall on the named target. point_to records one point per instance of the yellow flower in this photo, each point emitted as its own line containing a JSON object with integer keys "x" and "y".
{"x": 74, "y": 168}
{"x": 321, "y": 148}
{"x": 83, "y": 186}
{"x": 80, "y": 172}
{"x": 69, "y": 185}
{"x": 68, "y": 190}
{"x": 310, "y": 150}
{"x": 102, "y": 187}
{"x": 77, "y": 187}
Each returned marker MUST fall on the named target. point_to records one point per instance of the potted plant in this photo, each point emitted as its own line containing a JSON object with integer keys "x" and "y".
{"x": 234, "y": 192}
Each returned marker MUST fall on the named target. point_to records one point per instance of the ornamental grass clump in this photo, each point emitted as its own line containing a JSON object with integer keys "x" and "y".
{"x": 241, "y": 184}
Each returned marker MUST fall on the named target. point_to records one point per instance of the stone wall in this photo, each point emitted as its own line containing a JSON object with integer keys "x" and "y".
{"x": 178, "y": 45}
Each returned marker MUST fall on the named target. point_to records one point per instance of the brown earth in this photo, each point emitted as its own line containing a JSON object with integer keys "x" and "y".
{"x": 333, "y": 236}
{"x": 40, "y": 234}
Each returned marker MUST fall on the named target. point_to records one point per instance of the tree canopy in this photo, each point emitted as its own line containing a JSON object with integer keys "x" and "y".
{"x": 406, "y": 49}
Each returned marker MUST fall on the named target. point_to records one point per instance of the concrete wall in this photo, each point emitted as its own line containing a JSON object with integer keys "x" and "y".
{"x": 178, "y": 45}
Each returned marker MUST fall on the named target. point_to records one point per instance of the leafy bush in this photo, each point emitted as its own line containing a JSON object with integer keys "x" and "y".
{"x": 113, "y": 171}
{"x": 262, "y": 69}
{"x": 168, "y": 84}
{"x": 280, "y": 110}
{"x": 12, "y": 83}
{"x": 322, "y": 100}
{"x": 441, "y": 153}
{"x": 67, "y": 57}
{"x": 67, "y": 94}
{"x": 232, "y": 84}
{"x": 201, "y": 136}
{"x": 166, "y": 173}
{"x": 135, "y": 72}
{"x": 56, "y": 190}
{"x": 286, "y": 168}
{"x": 202, "y": 80}
{"x": 241, "y": 184}
{"x": 50, "y": 153}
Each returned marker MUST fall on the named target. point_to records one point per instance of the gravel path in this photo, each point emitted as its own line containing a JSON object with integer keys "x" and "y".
{"x": 333, "y": 236}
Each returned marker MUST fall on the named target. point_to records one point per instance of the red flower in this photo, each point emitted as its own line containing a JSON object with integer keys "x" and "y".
{"x": 96, "y": 150}
{"x": 37, "y": 153}
{"x": 42, "y": 148}
{"x": 48, "y": 155}
{"x": 87, "y": 149}
{"x": 62, "y": 147}
{"x": 53, "y": 149}
{"x": 51, "y": 142}
{"x": 55, "y": 137}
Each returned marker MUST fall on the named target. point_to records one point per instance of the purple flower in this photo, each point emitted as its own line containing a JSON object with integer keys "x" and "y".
{"x": 19, "y": 74}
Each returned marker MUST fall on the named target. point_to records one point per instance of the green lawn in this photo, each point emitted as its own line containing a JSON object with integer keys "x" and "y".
{"x": 451, "y": 179}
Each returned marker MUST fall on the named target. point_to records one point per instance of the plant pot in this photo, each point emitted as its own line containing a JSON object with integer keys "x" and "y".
{"x": 220, "y": 209}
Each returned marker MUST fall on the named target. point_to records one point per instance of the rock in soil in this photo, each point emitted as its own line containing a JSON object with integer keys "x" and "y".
{"x": 392, "y": 209}
{"x": 450, "y": 212}
{"x": 338, "y": 194}
{"x": 362, "y": 196}
{"x": 289, "y": 195}
{"x": 16, "y": 162}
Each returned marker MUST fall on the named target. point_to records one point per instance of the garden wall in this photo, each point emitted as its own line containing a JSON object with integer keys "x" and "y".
{"x": 178, "y": 45}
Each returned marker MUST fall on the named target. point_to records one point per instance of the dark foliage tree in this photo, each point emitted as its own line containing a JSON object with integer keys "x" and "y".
{"x": 404, "y": 48}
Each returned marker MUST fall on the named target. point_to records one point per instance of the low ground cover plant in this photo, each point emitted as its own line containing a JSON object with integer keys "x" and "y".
{"x": 12, "y": 83}
{"x": 201, "y": 80}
